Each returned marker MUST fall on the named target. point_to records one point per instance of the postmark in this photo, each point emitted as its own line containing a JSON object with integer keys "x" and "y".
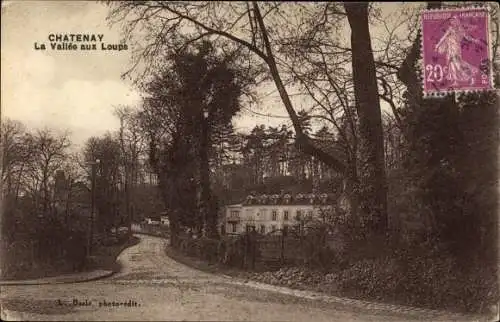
{"x": 456, "y": 51}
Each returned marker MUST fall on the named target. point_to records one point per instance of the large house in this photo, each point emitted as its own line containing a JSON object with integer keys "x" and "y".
{"x": 275, "y": 213}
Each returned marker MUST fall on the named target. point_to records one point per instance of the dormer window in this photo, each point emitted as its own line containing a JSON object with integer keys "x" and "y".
{"x": 287, "y": 198}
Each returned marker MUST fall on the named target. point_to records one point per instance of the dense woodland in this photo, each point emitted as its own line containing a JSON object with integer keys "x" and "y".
{"x": 420, "y": 176}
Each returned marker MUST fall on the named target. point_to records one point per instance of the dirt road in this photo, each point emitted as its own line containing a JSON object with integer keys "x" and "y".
{"x": 151, "y": 286}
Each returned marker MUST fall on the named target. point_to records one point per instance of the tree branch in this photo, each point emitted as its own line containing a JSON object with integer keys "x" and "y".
{"x": 219, "y": 32}
{"x": 303, "y": 142}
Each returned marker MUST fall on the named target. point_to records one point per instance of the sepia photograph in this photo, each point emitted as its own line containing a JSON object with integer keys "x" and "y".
{"x": 249, "y": 161}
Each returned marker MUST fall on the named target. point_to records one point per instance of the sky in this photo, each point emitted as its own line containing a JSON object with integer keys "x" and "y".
{"x": 75, "y": 90}
{"x": 64, "y": 90}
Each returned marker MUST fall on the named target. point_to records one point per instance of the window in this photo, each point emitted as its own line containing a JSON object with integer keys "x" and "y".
{"x": 275, "y": 215}
{"x": 250, "y": 228}
{"x": 299, "y": 214}
{"x": 285, "y": 229}
{"x": 273, "y": 228}
{"x": 285, "y": 215}
{"x": 262, "y": 229}
{"x": 310, "y": 214}
{"x": 233, "y": 228}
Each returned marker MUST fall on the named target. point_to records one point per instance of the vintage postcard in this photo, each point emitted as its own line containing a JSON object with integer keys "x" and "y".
{"x": 249, "y": 161}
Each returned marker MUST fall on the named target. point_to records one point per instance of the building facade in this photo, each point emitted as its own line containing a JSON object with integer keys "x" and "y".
{"x": 276, "y": 213}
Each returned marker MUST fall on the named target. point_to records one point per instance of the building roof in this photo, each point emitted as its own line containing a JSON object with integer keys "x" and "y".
{"x": 289, "y": 199}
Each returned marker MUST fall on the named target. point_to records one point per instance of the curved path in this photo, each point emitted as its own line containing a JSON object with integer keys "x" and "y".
{"x": 151, "y": 286}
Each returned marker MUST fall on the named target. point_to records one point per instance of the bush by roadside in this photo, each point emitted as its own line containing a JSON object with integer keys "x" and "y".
{"x": 429, "y": 283}
{"x": 20, "y": 265}
{"x": 105, "y": 255}
{"x": 202, "y": 265}
{"x": 411, "y": 277}
{"x": 49, "y": 251}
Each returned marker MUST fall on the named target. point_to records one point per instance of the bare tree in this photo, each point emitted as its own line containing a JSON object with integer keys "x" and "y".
{"x": 131, "y": 144}
{"x": 50, "y": 150}
{"x": 14, "y": 155}
{"x": 373, "y": 183}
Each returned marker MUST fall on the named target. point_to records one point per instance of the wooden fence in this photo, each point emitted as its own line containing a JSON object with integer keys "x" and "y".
{"x": 155, "y": 230}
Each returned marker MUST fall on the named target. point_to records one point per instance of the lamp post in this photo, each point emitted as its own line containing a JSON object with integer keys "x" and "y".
{"x": 204, "y": 173}
{"x": 93, "y": 164}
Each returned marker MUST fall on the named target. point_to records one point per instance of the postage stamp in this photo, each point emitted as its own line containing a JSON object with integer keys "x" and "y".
{"x": 456, "y": 51}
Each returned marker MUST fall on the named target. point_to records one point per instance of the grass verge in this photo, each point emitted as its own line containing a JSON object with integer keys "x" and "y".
{"x": 203, "y": 265}
{"x": 104, "y": 257}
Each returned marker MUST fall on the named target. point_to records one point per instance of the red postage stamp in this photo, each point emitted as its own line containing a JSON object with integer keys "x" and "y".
{"x": 456, "y": 51}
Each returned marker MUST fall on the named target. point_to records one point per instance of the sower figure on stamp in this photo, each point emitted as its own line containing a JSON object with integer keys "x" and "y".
{"x": 450, "y": 46}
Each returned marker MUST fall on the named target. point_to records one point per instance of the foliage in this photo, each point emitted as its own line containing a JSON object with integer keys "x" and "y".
{"x": 102, "y": 156}
{"x": 444, "y": 141}
{"x": 30, "y": 166}
{"x": 195, "y": 96}
{"x": 51, "y": 247}
{"x": 426, "y": 280}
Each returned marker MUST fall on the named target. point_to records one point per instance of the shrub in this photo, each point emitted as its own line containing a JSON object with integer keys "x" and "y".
{"x": 53, "y": 248}
{"x": 370, "y": 278}
{"x": 208, "y": 248}
{"x": 425, "y": 280}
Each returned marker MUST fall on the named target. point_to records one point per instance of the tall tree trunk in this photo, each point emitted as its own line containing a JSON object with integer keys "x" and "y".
{"x": 207, "y": 213}
{"x": 18, "y": 183}
{"x": 373, "y": 182}
{"x": 350, "y": 190}
{"x": 45, "y": 194}
{"x": 68, "y": 201}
